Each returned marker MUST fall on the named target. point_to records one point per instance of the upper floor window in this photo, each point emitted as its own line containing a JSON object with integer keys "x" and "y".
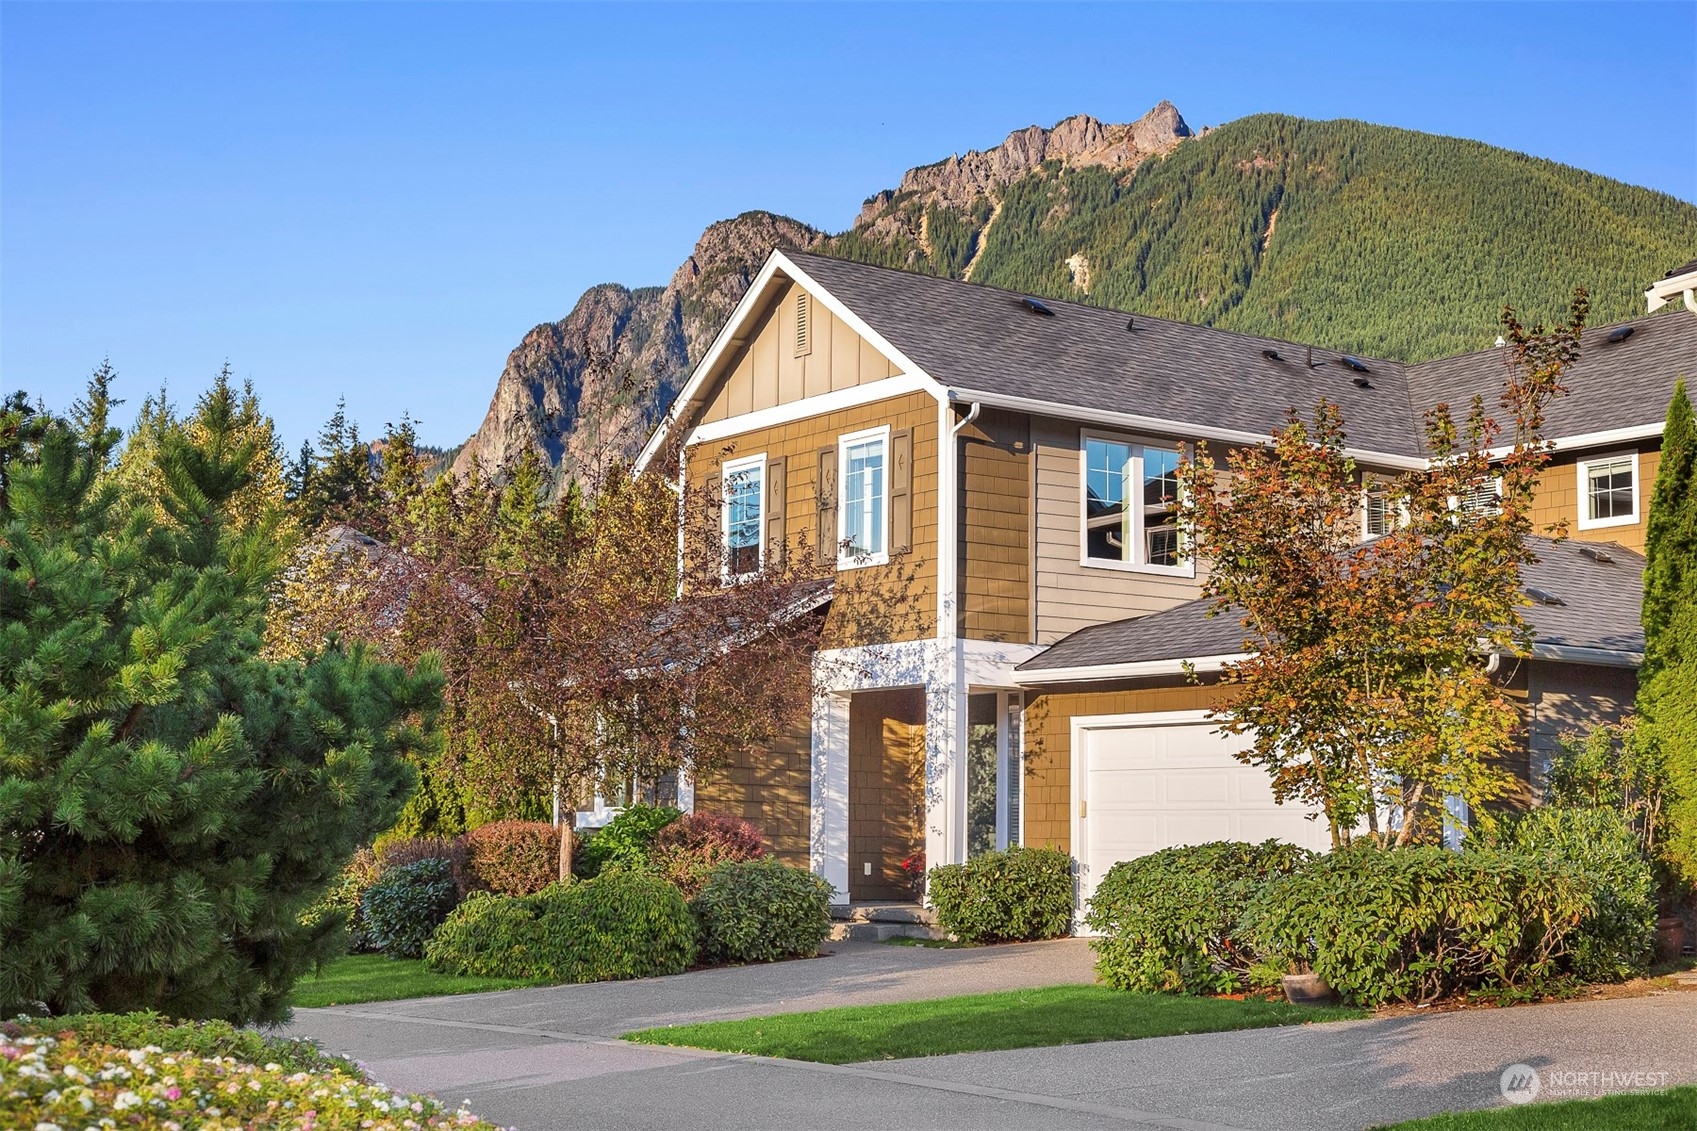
{"x": 1608, "y": 491}
{"x": 1131, "y": 496}
{"x": 745, "y": 489}
{"x": 1484, "y": 496}
{"x": 1377, "y": 514}
{"x": 862, "y": 516}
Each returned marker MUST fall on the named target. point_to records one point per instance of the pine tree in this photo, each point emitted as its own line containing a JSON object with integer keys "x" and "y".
{"x": 1667, "y": 695}
{"x": 169, "y": 802}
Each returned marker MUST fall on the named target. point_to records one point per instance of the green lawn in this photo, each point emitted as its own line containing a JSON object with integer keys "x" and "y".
{"x": 371, "y": 977}
{"x": 1673, "y": 1110}
{"x": 1057, "y": 1015}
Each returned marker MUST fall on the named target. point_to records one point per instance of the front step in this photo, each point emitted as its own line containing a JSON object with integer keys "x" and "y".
{"x": 875, "y": 922}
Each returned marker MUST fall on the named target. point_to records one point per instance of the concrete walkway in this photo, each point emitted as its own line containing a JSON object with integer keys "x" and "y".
{"x": 549, "y": 1058}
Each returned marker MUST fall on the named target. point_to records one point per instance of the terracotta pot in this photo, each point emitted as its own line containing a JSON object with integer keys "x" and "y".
{"x": 1670, "y": 937}
{"x": 1307, "y": 989}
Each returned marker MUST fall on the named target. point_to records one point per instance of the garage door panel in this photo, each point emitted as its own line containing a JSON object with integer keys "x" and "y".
{"x": 1149, "y": 788}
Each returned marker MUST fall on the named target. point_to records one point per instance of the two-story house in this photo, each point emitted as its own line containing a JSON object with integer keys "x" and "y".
{"x": 987, "y": 477}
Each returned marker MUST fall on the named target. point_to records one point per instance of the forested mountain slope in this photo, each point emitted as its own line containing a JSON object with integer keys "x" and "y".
{"x": 1343, "y": 234}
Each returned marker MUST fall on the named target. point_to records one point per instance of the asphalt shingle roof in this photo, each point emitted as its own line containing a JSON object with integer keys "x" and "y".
{"x": 1612, "y": 385}
{"x": 982, "y": 339}
{"x": 1600, "y": 609}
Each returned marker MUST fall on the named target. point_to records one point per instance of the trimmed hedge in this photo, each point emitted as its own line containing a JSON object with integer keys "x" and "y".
{"x": 1617, "y": 938}
{"x": 407, "y": 904}
{"x": 398, "y": 852}
{"x": 1017, "y": 895}
{"x": 1421, "y": 923}
{"x": 761, "y": 911}
{"x": 689, "y": 848}
{"x": 622, "y": 924}
{"x": 513, "y": 857}
{"x": 1168, "y": 922}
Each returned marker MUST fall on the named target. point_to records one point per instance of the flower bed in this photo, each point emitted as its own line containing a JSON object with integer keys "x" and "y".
{"x": 65, "y": 1081}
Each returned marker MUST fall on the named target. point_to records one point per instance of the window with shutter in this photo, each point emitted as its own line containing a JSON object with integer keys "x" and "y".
{"x": 741, "y": 518}
{"x": 776, "y": 489}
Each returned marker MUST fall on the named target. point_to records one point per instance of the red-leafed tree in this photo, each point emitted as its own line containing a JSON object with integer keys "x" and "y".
{"x": 1369, "y": 688}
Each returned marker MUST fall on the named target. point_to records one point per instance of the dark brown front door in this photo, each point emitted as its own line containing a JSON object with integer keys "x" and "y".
{"x": 886, "y": 791}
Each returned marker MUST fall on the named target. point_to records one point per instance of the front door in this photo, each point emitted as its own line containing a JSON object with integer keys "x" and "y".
{"x": 886, "y": 807}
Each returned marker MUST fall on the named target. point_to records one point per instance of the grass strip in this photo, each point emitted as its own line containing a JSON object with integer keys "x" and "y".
{"x": 372, "y": 977}
{"x": 1014, "y": 1019}
{"x": 1672, "y": 1110}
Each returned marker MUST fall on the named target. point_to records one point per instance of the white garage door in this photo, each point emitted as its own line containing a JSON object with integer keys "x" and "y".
{"x": 1148, "y": 787}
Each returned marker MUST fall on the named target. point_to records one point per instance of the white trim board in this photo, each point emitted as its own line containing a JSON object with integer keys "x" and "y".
{"x": 1097, "y": 673}
{"x": 777, "y": 264}
{"x": 856, "y": 395}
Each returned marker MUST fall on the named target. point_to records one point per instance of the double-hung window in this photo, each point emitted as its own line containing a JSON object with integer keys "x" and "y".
{"x": 1378, "y": 517}
{"x": 1608, "y": 491}
{"x": 863, "y": 536}
{"x": 743, "y": 515}
{"x": 1131, "y": 497}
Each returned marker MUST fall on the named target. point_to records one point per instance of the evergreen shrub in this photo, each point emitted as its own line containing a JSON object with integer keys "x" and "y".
{"x": 1616, "y": 938}
{"x": 762, "y": 911}
{"x": 1168, "y": 922}
{"x": 1420, "y": 923}
{"x": 624, "y": 923}
{"x": 405, "y": 906}
{"x": 1019, "y": 894}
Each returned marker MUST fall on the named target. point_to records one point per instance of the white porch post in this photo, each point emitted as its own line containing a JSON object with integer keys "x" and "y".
{"x": 828, "y": 833}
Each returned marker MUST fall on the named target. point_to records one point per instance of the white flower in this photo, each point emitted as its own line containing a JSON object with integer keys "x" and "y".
{"x": 47, "y": 1127}
{"x": 125, "y": 1100}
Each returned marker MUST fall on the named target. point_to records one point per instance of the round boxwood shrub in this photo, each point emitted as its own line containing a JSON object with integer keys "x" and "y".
{"x": 1420, "y": 923}
{"x": 1616, "y": 940}
{"x": 761, "y": 911}
{"x": 689, "y": 848}
{"x": 1020, "y": 894}
{"x": 408, "y": 903}
{"x": 625, "y": 840}
{"x": 513, "y": 857}
{"x": 1167, "y": 922}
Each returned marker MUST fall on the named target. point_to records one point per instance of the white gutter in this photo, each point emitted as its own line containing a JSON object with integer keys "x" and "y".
{"x": 1626, "y": 435}
{"x": 1597, "y": 657}
{"x": 1665, "y": 290}
{"x": 1135, "y": 422}
{"x": 1097, "y": 673}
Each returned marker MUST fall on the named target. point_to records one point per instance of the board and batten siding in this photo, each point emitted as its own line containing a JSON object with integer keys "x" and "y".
{"x": 874, "y": 604}
{"x": 1071, "y": 595}
{"x": 772, "y": 369}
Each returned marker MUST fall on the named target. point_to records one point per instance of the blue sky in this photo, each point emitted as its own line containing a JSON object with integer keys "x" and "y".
{"x": 378, "y": 201}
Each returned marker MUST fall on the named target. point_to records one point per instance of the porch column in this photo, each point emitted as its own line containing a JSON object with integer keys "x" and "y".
{"x": 829, "y": 827}
{"x": 945, "y": 768}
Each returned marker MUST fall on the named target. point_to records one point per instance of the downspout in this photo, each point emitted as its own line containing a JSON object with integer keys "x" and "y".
{"x": 1691, "y": 301}
{"x": 948, "y": 630}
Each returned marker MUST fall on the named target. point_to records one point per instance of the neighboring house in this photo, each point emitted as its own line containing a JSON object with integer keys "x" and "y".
{"x": 984, "y": 475}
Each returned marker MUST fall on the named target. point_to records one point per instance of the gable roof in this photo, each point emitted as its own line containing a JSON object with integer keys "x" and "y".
{"x": 981, "y": 343}
{"x": 1601, "y": 603}
{"x": 984, "y": 343}
{"x": 1614, "y": 385}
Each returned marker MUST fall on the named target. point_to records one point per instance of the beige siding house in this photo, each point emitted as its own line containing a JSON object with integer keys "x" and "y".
{"x": 990, "y": 475}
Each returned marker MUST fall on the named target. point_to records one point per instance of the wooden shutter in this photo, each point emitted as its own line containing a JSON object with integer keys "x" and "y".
{"x": 901, "y": 491}
{"x": 827, "y": 506}
{"x": 713, "y": 520}
{"x": 776, "y": 489}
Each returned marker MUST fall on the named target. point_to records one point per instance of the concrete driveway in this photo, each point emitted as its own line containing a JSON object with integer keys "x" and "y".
{"x": 549, "y": 1058}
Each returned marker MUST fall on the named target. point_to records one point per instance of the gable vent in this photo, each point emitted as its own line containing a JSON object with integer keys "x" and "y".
{"x": 803, "y": 330}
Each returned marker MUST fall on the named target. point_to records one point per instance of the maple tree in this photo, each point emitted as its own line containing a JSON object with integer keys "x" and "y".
{"x": 1371, "y": 687}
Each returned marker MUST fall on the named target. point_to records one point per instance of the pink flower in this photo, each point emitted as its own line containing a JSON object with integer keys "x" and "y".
{"x": 173, "y": 1093}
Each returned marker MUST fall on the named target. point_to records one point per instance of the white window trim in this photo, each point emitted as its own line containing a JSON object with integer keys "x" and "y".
{"x": 1397, "y": 515}
{"x": 1586, "y": 522}
{"x": 1457, "y": 503}
{"x": 846, "y": 560}
{"x": 1187, "y": 564}
{"x": 726, "y": 471}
